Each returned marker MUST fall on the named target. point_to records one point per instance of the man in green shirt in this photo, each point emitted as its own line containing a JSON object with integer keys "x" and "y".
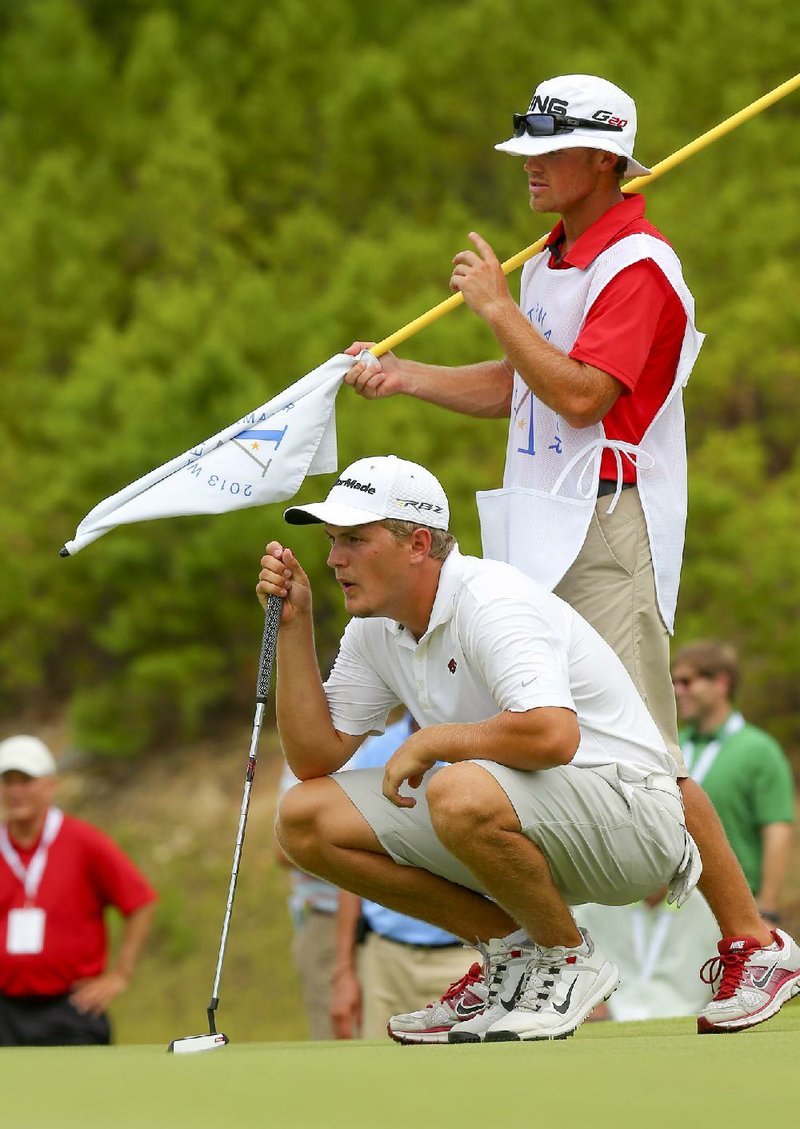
{"x": 743, "y": 770}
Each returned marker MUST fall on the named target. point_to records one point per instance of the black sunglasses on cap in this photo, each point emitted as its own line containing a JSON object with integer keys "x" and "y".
{"x": 547, "y": 125}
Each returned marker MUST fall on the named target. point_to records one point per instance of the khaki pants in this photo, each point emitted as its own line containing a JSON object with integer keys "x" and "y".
{"x": 611, "y": 584}
{"x": 396, "y": 978}
{"x": 313, "y": 952}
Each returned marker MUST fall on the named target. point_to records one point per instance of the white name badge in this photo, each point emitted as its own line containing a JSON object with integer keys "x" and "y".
{"x": 25, "y": 932}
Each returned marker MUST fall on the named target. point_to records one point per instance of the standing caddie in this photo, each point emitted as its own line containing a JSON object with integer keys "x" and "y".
{"x": 557, "y": 786}
{"x": 595, "y": 358}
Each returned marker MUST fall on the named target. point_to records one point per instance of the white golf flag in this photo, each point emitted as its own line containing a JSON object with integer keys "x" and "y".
{"x": 260, "y": 458}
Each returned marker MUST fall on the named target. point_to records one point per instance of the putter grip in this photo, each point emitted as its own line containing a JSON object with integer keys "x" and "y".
{"x": 272, "y": 619}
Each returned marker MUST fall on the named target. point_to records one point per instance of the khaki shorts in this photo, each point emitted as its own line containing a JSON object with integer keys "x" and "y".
{"x": 611, "y": 584}
{"x": 606, "y": 840}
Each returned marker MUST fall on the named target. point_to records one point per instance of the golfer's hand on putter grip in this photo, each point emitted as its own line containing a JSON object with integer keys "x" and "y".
{"x": 410, "y": 763}
{"x": 281, "y": 575}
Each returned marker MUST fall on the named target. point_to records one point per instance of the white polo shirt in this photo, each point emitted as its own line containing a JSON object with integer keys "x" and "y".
{"x": 496, "y": 641}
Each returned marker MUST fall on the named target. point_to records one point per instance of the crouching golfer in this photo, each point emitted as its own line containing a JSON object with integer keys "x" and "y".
{"x": 557, "y": 788}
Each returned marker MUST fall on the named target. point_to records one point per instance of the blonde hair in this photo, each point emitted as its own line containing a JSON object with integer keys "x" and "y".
{"x": 441, "y": 541}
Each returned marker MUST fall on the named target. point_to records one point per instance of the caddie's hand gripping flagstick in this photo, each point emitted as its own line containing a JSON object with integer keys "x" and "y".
{"x": 193, "y": 1043}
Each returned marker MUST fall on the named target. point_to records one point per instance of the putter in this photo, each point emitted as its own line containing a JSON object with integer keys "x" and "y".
{"x": 191, "y": 1044}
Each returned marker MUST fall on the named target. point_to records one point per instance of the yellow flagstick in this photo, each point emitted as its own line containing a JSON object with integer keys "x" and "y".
{"x": 632, "y": 186}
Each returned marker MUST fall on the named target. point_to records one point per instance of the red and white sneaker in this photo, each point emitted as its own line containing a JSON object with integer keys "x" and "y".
{"x": 756, "y": 982}
{"x": 463, "y": 999}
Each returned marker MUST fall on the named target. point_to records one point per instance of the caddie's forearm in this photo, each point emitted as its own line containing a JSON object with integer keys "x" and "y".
{"x": 310, "y": 743}
{"x": 347, "y": 916}
{"x": 537, "y": 739}
{"x": 138, "y": 926}
{"x": 579, "y": 393}
{"x": 482, "y": 390}
{"x": 777, "y": 843}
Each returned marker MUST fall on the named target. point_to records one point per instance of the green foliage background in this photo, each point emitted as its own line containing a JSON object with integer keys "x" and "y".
{"x": 199, "y": 202}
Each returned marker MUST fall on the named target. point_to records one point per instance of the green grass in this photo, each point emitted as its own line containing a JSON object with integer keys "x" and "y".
{"x": 655, "y": 1075}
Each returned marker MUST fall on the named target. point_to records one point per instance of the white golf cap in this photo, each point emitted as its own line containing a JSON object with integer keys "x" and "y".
{"x": 376, "y": 488}
{"x": 588, "y": 97}
{"x": 28, "y": 755}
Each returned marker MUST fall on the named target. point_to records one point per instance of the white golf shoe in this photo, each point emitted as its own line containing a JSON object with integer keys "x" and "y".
{"x": 505, "y": 964}
{"x": 562, "y": 986}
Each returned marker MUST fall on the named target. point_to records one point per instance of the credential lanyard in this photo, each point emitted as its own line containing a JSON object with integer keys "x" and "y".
{"x": 31, "y": 875}
{"x": 647, "y": 954}
{"x": 699, "y": 769}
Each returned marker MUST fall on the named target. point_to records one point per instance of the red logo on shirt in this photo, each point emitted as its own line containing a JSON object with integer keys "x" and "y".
{"x": 451, "y": 666}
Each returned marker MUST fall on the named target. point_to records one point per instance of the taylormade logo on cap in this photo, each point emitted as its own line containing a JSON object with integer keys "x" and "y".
{"x": 353, "y": 484}
{"x": 377, "y": 488}
{"x": 582, "y": 96}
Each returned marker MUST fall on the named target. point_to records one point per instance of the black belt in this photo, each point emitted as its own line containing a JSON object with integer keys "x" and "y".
{"x": 415, "y": 945}
{"x": 34, "y": 1003}
{"x": 363, "y": 928}
{"x": 605, "y": 486}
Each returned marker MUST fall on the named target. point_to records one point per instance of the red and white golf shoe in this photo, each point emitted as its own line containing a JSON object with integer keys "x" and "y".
{"x": 755, "y": 982}
{"x": 464, "y": 999}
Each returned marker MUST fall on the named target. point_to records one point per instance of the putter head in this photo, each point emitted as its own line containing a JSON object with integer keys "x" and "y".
{"x": 192, "y": 1044}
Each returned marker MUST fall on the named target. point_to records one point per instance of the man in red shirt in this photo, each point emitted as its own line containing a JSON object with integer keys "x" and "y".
{"x": 593, "y": 502}
{"x": 57, "y": 876}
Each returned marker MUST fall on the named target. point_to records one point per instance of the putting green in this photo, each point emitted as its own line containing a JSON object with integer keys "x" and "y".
{"x": 657, "y": 1075}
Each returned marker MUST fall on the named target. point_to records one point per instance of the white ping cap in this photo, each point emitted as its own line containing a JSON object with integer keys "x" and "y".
{"x": 609, "y": 115}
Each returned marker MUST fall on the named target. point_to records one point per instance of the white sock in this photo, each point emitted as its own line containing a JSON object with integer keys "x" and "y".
{"x": 519, "y": 937}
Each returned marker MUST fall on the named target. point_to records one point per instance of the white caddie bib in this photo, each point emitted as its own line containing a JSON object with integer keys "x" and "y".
{"x": 538, "y": 520}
